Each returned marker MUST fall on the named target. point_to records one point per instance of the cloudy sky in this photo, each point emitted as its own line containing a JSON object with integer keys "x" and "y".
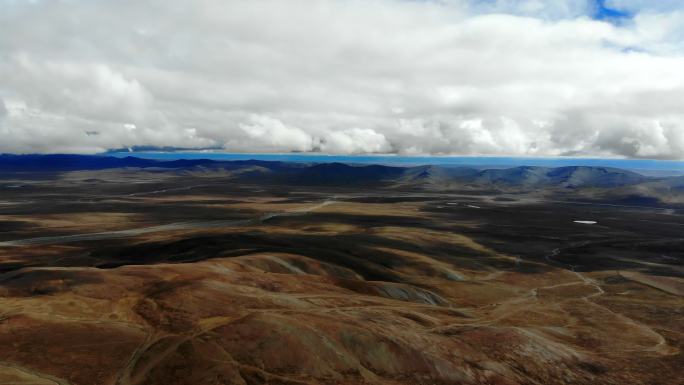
{"x": 467, "y": 77}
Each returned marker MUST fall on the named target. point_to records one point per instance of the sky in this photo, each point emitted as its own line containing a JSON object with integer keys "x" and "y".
{"x": 532, "y": 78}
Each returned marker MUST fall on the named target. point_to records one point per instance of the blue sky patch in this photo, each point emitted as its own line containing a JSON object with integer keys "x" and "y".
{"x": 608, "y": 14}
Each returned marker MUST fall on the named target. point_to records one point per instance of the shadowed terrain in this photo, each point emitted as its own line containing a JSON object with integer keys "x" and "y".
{"x": 276, "y": 273}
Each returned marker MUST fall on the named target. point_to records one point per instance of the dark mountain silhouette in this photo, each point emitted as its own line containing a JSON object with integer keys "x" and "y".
{"x": 570, "y": 177}
{"x": 61, "y": 162}
{"x": 340, "y": 173}
{"x": 525, "y": 177}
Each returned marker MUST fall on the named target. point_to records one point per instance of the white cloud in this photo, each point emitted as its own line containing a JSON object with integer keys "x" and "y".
{"x": 344, "y": 76}
{"x": 89, "y": 90}
{"x": 268, "y": 134}
{"x": 355, "y": 141}
{"x": 661, "y": 33}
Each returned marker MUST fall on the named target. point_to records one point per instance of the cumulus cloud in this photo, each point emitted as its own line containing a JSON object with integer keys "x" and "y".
{"x": 268, "y": 134}
{"x": 3, "y": 109}
{"x": 355, "y": 141}
{"x": 478, "y": 77}
{"x": 87, "y": 90}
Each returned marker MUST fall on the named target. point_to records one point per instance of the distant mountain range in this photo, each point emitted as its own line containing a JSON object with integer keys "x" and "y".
{"x": 627, "y": 184}
{"x": 568, "y": 177}
{"x": 60, "y": 162}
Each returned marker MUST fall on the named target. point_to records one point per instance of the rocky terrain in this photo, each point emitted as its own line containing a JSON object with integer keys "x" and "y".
{"x": 271, "y": 273}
